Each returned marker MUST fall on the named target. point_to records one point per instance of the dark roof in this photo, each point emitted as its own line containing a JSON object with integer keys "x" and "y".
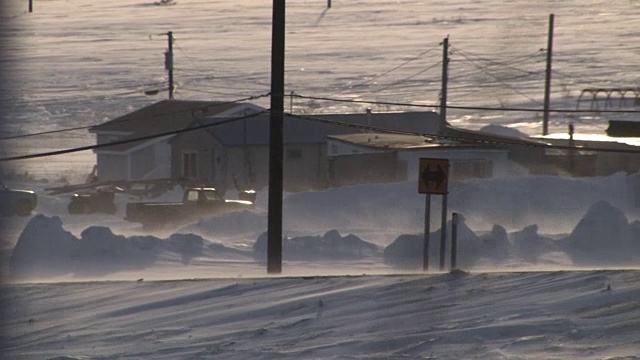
{"x": 166, "y": 115}
{"x": 480, "y": 137}
{"x": 408, "y": 142}
{"x": 255, "y": 130}
{"x": 161, "y": 117}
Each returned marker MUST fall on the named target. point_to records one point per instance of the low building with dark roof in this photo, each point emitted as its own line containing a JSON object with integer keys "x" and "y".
{"x": 236, "y": 154}
{"x": 131, "y": 159}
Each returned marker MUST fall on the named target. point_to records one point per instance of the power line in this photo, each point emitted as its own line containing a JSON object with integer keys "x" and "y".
{"x": 391, "y": 70}
{"x": 503, "y": 142}
{"x": 126, "y": 119}
{"x": 409, "y": 77}
{"x": 210, "y": 92}
{"x": 479, "y": 108}
{"x": 127, "y": 141}
{"x": 304, "y": 117}
{"x": 484, "y": 70}
{"x": 46, "y": 132}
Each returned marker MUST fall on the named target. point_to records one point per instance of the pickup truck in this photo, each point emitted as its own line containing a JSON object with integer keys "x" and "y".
{"x": 196, "y": 203}
{"x": 16, "y": 202}
{"x": 90, "y": 202}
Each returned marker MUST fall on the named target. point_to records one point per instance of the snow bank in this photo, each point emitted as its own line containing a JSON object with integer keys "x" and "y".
{"x": 46, "y": 249}
{"x": 329, "y": 247}
{"x": 389, "y": 216}
{"x": 604, "y": 237}
{"x": 406, "y": 252}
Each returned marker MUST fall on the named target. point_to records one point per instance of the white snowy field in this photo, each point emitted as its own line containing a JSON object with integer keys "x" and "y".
{"x": 79, "y": 63}
{"x": 516, "y": 315}
{"x": 507, "y": 223}
{"x": 554, "y": 277}
{"x": 550, "y": 262}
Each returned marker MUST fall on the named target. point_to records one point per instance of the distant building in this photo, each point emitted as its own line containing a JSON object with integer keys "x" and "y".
{"x": 151, "y": 158}
{"x": 236, "y": 154}
{"x": 374, "y": 157}
{"x": 593, "y": 155}
{"x": 231, "y": 148}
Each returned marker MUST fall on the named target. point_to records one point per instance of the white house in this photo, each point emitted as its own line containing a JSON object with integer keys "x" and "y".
{"x": 151, "y": 157}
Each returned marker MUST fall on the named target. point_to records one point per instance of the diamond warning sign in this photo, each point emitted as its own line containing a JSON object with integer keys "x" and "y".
{"x": 433, "y": 176}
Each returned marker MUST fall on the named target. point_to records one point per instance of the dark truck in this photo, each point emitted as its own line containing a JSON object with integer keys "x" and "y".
{"x": 17, "y": 202}
{"x": 90, "y": 202}
{"x": 197, "y": 202}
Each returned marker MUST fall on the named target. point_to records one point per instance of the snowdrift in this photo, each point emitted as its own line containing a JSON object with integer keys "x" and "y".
{"x": 603, "y": 238}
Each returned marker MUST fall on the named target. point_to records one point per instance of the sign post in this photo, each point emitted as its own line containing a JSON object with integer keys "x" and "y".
{"x": 433, "y": 178}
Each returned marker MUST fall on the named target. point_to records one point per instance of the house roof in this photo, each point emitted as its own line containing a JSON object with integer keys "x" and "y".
{"x": 165, "y": 115}
{"x": 402, "y": 142}
{"x": 480, "y": 137}
{"x": 161, "y": 117}
{"x": 255, "y": 130}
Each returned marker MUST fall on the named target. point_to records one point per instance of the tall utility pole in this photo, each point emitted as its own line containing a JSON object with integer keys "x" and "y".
{"x": 547, "y": 80}
{"x": 168, "y": 63}
{"x": 445, "y": 75}
{"x": 276, "y": 138}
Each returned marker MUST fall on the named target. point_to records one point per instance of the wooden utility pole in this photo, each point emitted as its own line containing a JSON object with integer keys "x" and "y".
{"x": 445, "y": 75}
{"x": 276, "y": 138}
{"x": 168, "y": 63}
{"x": 547, "y": 80}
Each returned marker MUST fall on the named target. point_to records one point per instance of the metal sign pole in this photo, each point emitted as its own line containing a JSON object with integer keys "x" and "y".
{"x": 454, "y": 241}
{"x": 443, "y": 232}
{"x": 433, "y": 179}
{"x": 427, "y": 230}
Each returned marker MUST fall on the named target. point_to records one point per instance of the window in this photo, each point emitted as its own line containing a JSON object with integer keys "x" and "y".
{"x": 192, "y": 195}
{"x": 190, "y": 165}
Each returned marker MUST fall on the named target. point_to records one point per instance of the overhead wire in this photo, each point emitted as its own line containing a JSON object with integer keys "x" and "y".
{"x": 246, "y": 98}
{"x": 127, "y": 141}
{"x": 409, "y": 77}
{"x": 390, "y": 70}
{"x": 536, "y": 143}
{"x": 368, "y": 127}
{"x": 253, "y": 97}
{"x": 484, "y": 70}
{"x": 479, "y": 108}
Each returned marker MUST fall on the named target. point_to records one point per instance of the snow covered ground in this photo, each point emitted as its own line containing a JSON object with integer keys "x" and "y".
{"x": 550, "y": 263}
{"x": 96, "y": 287}
{"x": 511, "y": 222}
{"x": 517, "y": 315}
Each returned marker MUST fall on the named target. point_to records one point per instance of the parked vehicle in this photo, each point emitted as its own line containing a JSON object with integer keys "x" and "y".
{"x": 17, "y": 202}
{"x": 91, "y": 202}
{"x": 196, "y": 203}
